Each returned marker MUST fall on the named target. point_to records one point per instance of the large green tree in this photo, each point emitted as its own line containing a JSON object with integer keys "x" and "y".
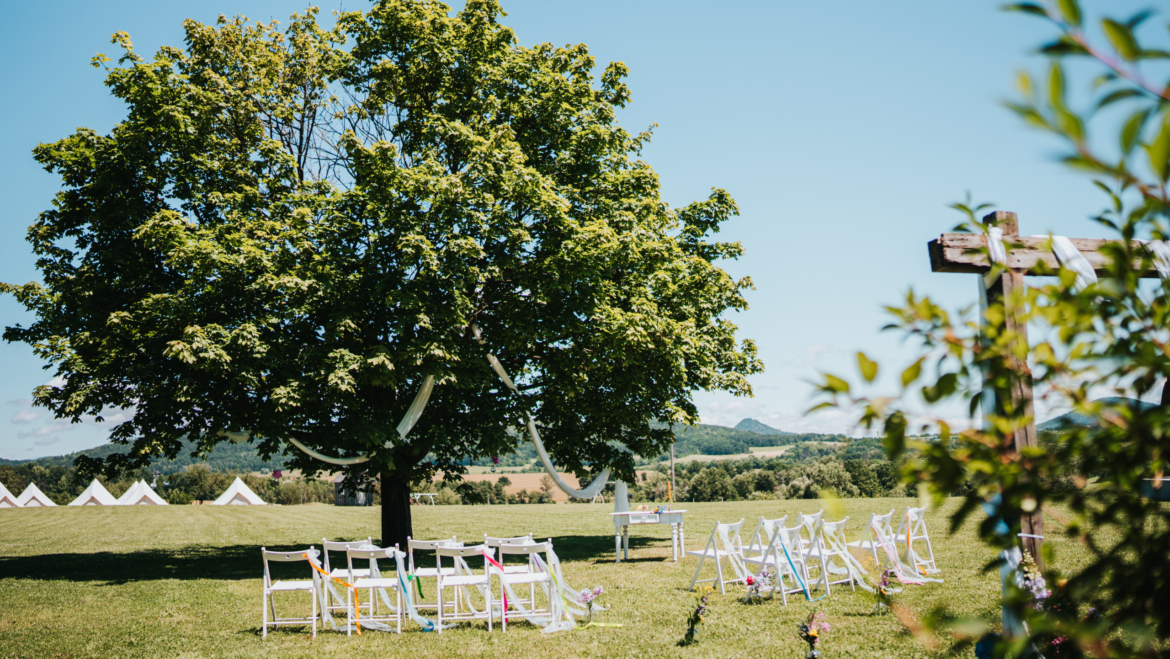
{"x": 292, "y": 228}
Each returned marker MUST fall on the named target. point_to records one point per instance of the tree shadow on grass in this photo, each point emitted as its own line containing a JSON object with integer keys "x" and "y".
{"x": 230, "y": 563}
{"x": 598, "y": 548}
{"x": 235, "y": 562}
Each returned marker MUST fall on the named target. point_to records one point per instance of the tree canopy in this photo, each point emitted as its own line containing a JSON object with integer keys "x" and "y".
{"x": 294, "y": 226}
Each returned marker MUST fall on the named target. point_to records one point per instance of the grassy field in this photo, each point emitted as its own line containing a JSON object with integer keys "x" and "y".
{"x": 185, "y": 582}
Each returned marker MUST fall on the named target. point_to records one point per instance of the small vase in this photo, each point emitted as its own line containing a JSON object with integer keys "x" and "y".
{"x": 813, "y": 654}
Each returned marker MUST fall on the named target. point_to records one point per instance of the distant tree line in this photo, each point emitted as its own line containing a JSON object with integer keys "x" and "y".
{"x": 776, "y": 478}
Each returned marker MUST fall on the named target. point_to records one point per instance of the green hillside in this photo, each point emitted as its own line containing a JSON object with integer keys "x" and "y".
{"x": 751, "y": 425}
{"x": 225, "y": 457}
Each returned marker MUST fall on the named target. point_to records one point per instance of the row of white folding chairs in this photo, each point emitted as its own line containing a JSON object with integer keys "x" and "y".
{"x": 446, "y": 577}
{"x": 804, "y": 551}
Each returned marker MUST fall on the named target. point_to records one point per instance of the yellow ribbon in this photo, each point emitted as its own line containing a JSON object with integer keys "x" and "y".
{"x": 357, "y": 606}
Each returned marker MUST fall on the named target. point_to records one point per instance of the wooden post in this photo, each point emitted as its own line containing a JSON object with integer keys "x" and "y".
{"x": 1016, "y": 399}
{"x": 673, "y": 487}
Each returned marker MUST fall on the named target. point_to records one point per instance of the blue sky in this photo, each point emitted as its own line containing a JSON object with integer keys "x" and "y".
{"x": 842, "y": 129}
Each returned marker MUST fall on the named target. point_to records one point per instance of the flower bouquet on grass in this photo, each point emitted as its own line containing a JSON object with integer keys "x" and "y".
{"x": 812, "y": 631}
{"x": 586, "y": 598}
{"x": 696, "y": 615}
{"x": 762, "y": 580}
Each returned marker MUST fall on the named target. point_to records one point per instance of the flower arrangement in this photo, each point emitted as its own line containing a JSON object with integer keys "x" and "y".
{"x": 811, "y": 631}
{"x": 1033, "y": 582}
{"x": 883, "y": 591}
{"x": 696, "y": 615}
{"x": 586, "y": 597}
{"x": 754, "y": 583}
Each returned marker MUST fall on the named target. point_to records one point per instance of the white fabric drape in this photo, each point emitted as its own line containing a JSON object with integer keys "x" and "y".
{"x": 588, "y": 492}
{"x": 404, "y": 427}
{"x": 1071, "y": 258}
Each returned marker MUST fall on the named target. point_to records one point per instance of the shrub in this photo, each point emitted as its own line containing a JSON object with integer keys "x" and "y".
{"x": 712, "y": 484}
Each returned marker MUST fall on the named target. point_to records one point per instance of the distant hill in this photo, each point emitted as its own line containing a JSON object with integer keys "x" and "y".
{"x": 1075, "y": 418}
{"x": 751, "y": 425}
{"x": 700, "y": 439}
{"x": 226, "y": 457}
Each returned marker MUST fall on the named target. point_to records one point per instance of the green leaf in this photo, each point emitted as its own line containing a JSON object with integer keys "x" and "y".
{"x": 869, "y": 368}
{"x": 895, "y": 435}
{"x": 835, "y": 384}
{"x": 1117, "y": 95}
{"x": 1056, "y": 86}
{"x": 1024, "y": 84}
{"x": 1138, "y": 18}
{"x": 1071, "y": 125}
{"x": 913, "y": 372}
{"x": 1065, "y": 45}
{"x": 1071, "y": 11}
{"x": 1132, "y": 130}
{"x": 1122, "y": 39}
{"x": 1026, "y": 8}
{"x": 1158, "y": 151}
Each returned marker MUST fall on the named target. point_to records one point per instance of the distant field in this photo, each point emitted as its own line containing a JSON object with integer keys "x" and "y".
{"x": 184, "y": 581}
{"x": 528, "y": 482}
{"x": 756, "y": 452}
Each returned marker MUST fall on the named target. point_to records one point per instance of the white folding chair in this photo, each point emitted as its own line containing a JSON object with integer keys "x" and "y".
{"x": 785, "y": 556}
{"x": 812, "y": 549}
{"x": 418, "y": 572}
{"x": 287, "y": 586}
{"x": 508, "y": 580}
{"x": 871, "y": 543}
{"x": 912, "y": 528}
{"x": 461, "y": 582}
{"x": 763, "y": 535}
{"x": 495, "y": 543}
{"x": 374, "y": 580}
{"x": 341, "y": 572}
{"x": 731, "y": 554}
{"x": 831, "y": 537}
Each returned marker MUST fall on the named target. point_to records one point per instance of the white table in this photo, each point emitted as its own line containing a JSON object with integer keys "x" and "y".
{"x": 417, "y": 496}
{"x": 623, "y": 522}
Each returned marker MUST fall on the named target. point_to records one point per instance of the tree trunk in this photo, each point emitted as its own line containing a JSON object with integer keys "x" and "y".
{"x": 395, "y": 509}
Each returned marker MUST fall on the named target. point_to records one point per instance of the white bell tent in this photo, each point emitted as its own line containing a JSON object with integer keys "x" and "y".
{"x": 95, "y": 495}
{"x": 140, "y": 494}
{"x": 32, "y": 497}
{"x": 7, "y": 500}
{"x": 238, "y": 495}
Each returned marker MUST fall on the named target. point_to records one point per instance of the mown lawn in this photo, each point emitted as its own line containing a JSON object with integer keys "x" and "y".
{"x": 184, "y": 581}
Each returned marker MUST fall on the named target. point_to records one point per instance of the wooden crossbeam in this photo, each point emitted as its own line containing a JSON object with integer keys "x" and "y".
{"x": 960, "y": 252}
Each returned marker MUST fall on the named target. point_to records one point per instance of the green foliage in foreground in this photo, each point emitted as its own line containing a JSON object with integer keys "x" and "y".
{"x": 170, "y": 582}
{"x": 1107, "y": 335}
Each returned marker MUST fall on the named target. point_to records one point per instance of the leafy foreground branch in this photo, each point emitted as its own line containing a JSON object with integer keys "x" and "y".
{"x": 1107, "y": 338}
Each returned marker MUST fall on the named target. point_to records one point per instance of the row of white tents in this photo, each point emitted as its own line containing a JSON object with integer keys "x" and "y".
{"x": 139, "y": 494}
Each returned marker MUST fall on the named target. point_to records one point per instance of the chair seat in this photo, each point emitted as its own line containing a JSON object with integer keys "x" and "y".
{"x": 375, "y": 583}
{"x": 516, "y": 569}
{"x": 290, "y": 585}
{"x": 529, "y": 577}
{"x": 431, "y": 572}
{"x": 864, "y": 544}
{"x": 469, "y": 580}
{"x": 711, "y": 554}
{"x": 344, "y": 574}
